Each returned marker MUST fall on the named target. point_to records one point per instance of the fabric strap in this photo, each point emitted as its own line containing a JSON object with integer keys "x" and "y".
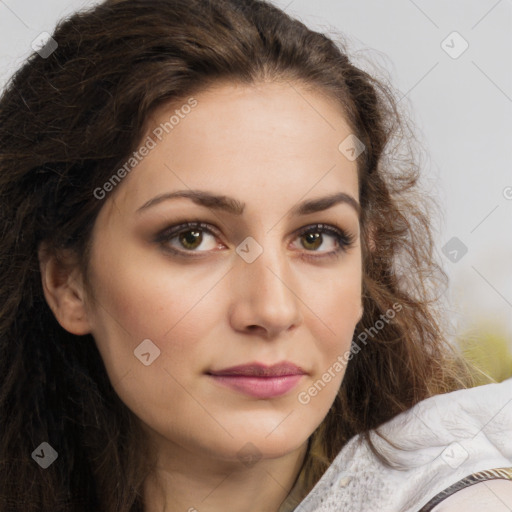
{"x": 475, "y": 478}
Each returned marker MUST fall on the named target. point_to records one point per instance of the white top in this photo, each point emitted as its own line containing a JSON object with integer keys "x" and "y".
{"x": 442, "y": 440}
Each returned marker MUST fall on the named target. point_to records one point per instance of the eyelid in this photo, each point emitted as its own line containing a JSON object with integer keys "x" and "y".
{"x": 327, "y": 228}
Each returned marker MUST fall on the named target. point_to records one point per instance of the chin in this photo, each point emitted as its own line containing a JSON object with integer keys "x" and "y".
{"x": 267, "y": 443}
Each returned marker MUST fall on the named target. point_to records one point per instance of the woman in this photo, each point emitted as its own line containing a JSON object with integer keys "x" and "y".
{"x": 217, "y": 277}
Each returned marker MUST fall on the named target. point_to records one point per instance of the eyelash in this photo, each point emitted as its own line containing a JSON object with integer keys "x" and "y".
{"x": 343, "y": 239}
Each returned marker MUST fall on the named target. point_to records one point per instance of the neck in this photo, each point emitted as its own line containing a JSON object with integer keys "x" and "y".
{"x": 187, "y": 482}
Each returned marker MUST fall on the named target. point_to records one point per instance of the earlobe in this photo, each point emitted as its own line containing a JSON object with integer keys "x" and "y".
{"x": 64, "y": 293}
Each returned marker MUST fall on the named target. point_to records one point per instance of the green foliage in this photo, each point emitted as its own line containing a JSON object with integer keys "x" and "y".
{"x": 489, "y": 351}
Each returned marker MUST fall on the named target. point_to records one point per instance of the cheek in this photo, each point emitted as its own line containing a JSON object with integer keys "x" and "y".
{"x": 338, "y": 302}
{"x": 136, "y": 304}
{"x": 337, "y": 310}
{"x": 135, "y": 301}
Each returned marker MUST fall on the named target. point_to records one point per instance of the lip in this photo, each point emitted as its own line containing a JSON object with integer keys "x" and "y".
{"x": 259, "y": 380}
{"x": 260, "y": 370}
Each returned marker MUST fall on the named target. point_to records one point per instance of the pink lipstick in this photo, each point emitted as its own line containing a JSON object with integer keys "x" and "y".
{"x": 259, "y": 380}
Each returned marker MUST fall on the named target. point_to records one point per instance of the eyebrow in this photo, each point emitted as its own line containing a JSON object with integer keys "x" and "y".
{"x": 235, "y": 207}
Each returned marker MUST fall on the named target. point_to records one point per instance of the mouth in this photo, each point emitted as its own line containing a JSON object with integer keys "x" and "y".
{"x": 259, "y": 380}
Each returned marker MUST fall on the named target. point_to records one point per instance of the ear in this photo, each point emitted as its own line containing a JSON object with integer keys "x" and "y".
{"x": 63, "y": 290}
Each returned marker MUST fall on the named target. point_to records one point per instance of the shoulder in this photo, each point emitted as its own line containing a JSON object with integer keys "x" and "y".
{"x": 443, "y": 439}
{"x": 424, "y": 452}
{"x": 495, "y": 495}
{"x": 479, "y": 417}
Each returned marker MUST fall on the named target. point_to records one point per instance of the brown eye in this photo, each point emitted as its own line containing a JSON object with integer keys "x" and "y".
{"x": 312, "y": 240}
{"x": 191, "y": 238}
{"x": 197, "y": 238}
{"x": 332, "y": 239}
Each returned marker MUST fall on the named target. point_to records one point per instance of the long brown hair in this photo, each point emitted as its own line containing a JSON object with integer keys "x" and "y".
{"x": 68, "y": 119}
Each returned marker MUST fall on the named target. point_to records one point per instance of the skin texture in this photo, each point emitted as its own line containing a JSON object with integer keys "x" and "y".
{"x": 270, "y": 146}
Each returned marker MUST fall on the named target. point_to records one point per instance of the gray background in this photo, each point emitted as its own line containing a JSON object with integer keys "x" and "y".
{"x": 462, "y": 108}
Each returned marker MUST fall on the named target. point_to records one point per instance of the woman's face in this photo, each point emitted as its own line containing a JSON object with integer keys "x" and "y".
{"x": 176, "y": 306}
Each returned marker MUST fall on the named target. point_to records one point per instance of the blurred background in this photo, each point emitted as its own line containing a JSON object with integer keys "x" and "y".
{"x": 450, "y": 62}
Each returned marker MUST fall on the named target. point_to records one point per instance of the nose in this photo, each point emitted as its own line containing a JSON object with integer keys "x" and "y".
{"x": 265, "y": 300}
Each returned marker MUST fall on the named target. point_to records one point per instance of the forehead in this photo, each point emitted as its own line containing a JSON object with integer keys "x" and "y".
{"x": 257, "y": 142}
